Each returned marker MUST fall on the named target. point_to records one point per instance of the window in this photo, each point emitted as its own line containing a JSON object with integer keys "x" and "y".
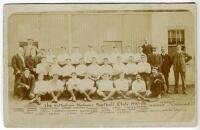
{"x": 176, "y": 36}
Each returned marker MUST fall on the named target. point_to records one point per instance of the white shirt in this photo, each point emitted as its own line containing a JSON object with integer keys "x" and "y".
{"x": 105, "y": 85}
{"x": 49, "y": 58}
{"x": 113, "y": 57}
{"x": 106, "y": 69}
{"x": 42, "y": 68}
{"x": 88, "y": 56}
{"x": 131, "y": 68}
{"x": 137, "y": 57}
{"x": 121, "y": 84}
{"x": 73, "y": 82}
{"x": 75, "y": 58}
{"x": 126, "y": 56}
{"x": 144, "y": 67}
{"x": 67, "y": 70}
{"x": 55, "y": 69}
{"x": 94, "y": 69}
{"x": 100, "y": 58}
{"x": 41, "y": 84}
{"x": 118, "y": 68}
{"x": 138, "y": 86}
{"x": 62, "y": 57}
{"x": 81, "y": 69}
{"x": 56, "y": 84}
{"x": 86, "y": 83}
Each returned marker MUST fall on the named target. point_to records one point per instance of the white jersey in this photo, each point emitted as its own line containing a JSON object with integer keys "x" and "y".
{"x": 105, "y": 85}
{"x": 42, "y": 68}
{"x": 126, "y": 56}
{"x": 94, "y": 70}
{"x": 81, "y": 69}
{"x": 73, "y": 84}
{"x": 49, "y": 58}
{"x": 113, "y": 57}
{"x": 100, "y": 58}
{"x": 41, "y": 87}
{"x": 75, "y": 58}
{"x": 144, "y": 67}
{"x": 57, "y": 85}
{"x": 106, "y": 69}
{"x": 138, "y": 86}
{"x": 88, "y": 56}
{"x": 118, "y": 68}
{"x": 67, "y": 70}
{"x": 137, "y": 57}
{"x": 55, "y": 69}
{"x": 86, "y": 84}
{"x": 62, "y": 57}
{"x": 131, "y": 68}
{"x": 121, "y": 84}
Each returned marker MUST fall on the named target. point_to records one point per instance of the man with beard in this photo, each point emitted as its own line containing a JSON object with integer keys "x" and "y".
{"x": 18, "y": 64}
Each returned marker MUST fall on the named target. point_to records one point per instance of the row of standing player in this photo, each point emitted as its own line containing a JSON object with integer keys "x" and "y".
{"x": 93, "y": 68}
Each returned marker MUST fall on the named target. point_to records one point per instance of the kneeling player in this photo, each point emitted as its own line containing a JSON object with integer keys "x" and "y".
{"x": 87, "y": 87}
{"x": 57, "y": 87}
{"x": 105, "y": 87}
{"x": 41, "y": 88}
{"x": 157, "y": 83}
{"x": 139, "y": 89}
{"x": 73, "y": 86}
{"x": 121, "y": 85}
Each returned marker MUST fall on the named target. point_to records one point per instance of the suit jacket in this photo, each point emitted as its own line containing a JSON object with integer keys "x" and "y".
{"x": 27, "y": 50}
{"x": 31, "y": 62}
{"x": 180, "y": 60}
{"x": 166, "y": 63}
{"x": 159, "y": 77}
{"x": 17, "y": 63}
{"x": 155, "y": 60}
{"x": 30, "y": 81}
{"x": 147, "y": 49}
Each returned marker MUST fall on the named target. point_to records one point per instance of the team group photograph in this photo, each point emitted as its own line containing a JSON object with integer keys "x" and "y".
{"x": 143, "y": 74}
{"x": 100, "y": 65}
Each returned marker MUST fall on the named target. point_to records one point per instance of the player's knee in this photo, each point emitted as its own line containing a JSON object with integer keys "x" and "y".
{"x": 82, "y": 91}
{"x": 99, "y": 92}
{"x": 93, "y": 90}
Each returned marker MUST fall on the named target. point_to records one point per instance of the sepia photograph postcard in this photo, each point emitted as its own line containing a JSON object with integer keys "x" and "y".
{"x": 100, "y": 65}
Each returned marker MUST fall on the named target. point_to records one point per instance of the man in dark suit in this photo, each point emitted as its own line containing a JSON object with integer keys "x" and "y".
{"x": 26, "y": 85}
{"x": 18, "y": 64}
{"x": 166, "y": 65}
{"x": 27, "y": 49}
{"x": 155, "y": 59}
{"x": 31, "y": 62}
{"x": 180, "y": 59}
{"x": 147, "y": 48}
